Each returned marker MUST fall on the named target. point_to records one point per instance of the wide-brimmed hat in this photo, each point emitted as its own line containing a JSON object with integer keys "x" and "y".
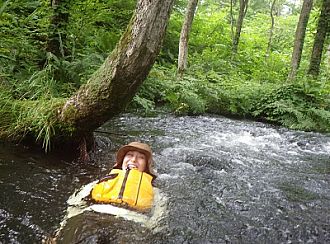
{"x": 135, "y": 146}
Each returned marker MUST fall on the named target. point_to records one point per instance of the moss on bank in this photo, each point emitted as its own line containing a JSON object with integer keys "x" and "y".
{"x": 37, "y": 119}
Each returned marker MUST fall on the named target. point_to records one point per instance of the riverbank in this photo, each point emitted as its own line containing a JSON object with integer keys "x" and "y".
{"x": 300, "y": 105}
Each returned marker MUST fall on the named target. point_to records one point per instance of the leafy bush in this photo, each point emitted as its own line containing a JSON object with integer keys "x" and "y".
{"x": 296, "y": 107}
{"x": 303, "y": 105}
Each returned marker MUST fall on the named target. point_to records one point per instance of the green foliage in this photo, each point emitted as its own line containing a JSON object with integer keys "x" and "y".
{"x": 21, "y": 35}
{"x": 97, "y": 25}
{"x": 146, "y": 104}
{"x": 90, "y": 32}
{"x": 300, "y": 105}
{"x": 184, "y": 98}
{"x": 303, "y": 105}
{"x": 169, "y": 52}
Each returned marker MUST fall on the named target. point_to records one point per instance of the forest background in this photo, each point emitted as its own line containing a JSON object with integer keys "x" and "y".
{"x": 47, "y": 52}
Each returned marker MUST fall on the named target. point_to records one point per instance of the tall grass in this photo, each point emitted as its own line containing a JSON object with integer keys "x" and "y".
{"x": 23, "y": 118}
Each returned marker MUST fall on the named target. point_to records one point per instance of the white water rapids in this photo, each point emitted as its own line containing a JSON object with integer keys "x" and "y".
{"x": 222, "y": 181}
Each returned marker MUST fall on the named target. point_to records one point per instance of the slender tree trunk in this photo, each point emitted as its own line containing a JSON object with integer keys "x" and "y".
{"x": 184, "y": 37}
{"x": 271, "y": 28}
{"x": 243, "y": 6}
{"x": 299, "y": 38}
{"x": 115, "y": 83}
{"x": 322, "y": 29}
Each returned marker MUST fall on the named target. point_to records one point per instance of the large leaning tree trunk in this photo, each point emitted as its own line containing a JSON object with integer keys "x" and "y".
{"x": 243, "y": 6}
{"x": 322, "y": 30}
{"x": 299, "y": 38}
{"x": 184, "y": 37}
{"x": 116, "y": 82}
{"x": 107, "y": 92}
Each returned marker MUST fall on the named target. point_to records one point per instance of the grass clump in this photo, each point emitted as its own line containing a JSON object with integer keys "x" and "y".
{"x": 21, "y": 119}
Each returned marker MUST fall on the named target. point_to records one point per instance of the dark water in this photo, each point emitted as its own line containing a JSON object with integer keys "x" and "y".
{"x": 223, "y": 181}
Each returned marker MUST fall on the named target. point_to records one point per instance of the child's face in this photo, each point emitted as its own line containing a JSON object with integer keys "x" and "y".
{"x": 135, "y": 160}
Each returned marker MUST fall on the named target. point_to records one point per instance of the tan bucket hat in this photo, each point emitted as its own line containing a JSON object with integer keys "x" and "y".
{"x": 136, "y": 146}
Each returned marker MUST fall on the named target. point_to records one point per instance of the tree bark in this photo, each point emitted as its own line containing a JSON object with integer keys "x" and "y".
{"x": 243, "y": 6}
{"x": 299, "y": 38}
{"x": 115, "y": 83}
{"x": 322, "y": 29}
{"x": 184, "y": 37}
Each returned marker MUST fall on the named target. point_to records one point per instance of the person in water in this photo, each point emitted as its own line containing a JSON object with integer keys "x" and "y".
{"x": 129, "y": 183}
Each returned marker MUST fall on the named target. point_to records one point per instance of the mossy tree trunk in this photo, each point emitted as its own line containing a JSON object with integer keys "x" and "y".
{"x": 115, "y": 83}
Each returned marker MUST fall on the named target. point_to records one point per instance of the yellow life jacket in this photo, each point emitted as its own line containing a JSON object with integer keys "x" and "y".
{"x": 130, "y": 187}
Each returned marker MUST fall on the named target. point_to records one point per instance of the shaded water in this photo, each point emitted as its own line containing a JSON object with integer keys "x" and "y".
{"x": 224, "y": 181}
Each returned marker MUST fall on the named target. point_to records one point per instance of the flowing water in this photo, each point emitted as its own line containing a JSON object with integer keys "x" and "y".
{"x": 220, "y": 181}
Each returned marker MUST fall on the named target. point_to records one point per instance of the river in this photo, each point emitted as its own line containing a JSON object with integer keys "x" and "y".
{"x": 220, "y": 181}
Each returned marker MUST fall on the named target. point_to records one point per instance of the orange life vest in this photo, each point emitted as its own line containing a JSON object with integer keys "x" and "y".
{"x": 130, "y": 187}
